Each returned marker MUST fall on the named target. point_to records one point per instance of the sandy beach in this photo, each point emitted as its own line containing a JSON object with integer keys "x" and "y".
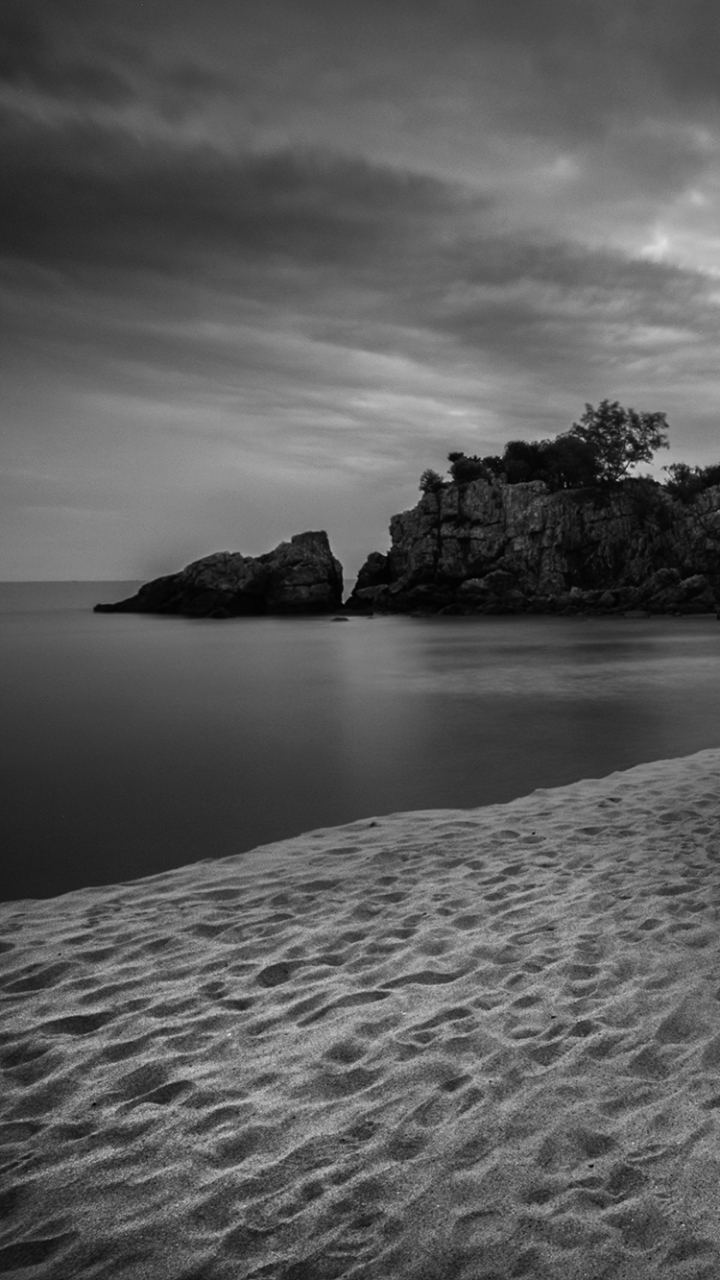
{"x": 467, "y": 1044}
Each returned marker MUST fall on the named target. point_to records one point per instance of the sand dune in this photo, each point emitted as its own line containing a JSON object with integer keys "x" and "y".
{"x": 452, "y": 1044}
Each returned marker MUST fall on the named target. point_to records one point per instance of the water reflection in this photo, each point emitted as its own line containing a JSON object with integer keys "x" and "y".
{"x": 135, "y": 743}
{"x": 583, "y": 658}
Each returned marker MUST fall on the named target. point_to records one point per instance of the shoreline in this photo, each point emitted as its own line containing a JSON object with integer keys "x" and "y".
{"x": 442, "y": 1043}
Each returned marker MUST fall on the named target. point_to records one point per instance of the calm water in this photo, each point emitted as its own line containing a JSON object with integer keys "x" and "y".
{"x": 131, "y": 744}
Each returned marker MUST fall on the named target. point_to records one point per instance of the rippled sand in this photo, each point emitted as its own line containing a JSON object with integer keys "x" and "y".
{"x": 452, "y": 1044}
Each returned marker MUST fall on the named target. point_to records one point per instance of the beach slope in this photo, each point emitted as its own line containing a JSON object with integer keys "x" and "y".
{"x": 452, "y": 1045}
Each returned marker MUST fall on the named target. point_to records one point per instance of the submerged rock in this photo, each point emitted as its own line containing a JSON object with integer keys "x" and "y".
{"x": 299, "y": 576}
{"x": 487, "y": 547}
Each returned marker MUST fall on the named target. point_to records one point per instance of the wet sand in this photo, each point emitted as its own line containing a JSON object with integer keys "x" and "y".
{"x": 445, "y": 1045}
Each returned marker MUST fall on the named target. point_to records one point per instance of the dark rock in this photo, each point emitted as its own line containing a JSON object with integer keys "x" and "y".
{"x": 498, "y": 548}
{"x": 694, "y": 586}
{"x": 608, "y": 600}
{"x": 499, "y": 581}
{"x": 374, "y": 573}
{"x": 666, "y": 594}
{"x": 299, "y": 576}
{"x": 473, "y": 589}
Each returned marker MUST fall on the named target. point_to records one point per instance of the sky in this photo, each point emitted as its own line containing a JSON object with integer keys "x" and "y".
{"x": 264, "y": 261}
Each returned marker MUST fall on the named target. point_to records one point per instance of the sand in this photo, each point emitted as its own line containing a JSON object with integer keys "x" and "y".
{"x": 464, "y": 1044}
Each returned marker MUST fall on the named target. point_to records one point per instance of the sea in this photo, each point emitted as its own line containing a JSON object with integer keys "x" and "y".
{"x": 132, "y": 744}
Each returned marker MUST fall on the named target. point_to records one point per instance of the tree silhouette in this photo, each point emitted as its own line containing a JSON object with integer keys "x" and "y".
{"x": 619, "y": 438}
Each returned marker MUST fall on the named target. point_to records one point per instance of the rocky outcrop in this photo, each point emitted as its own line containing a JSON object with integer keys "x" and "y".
{"x": 299, "y": 576}
{"x": 498, "y": 548}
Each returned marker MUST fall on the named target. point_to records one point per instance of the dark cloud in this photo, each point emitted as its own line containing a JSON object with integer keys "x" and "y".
{"x": 29, "y": 59}
{"x": 85, "y": 197}
{"x": 680, "y": 41}
{"x": 309, "y": 236}
{"x": 612, "y": 52}
{"x": 23, "y": 46}
{"x": 89, "y": 196}
{"x": 360, "y": 255}
{"x": 64, "y": 56}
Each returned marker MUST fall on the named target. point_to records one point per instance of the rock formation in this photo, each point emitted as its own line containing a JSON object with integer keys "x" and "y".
{"x": 487, "y": 547}
{"x": 299, "y": 576}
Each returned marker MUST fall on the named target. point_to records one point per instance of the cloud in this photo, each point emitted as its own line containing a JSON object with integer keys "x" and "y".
{"x": 90, "y": 195}
{"x": 678, "y": 40}
{"x": 270, "y": 278}
{"x": 324, "y": 241}
{"x": 280, "y": 241}
{"x": 65, "y": 62}
{"x": 605, "y": 58}
{"x": 30, "y": 60}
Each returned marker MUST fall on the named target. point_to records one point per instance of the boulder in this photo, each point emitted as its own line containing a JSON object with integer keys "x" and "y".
{"x": 608, "y": 600}
{"x": 299, "y": 576}
{"x": 473, "y": 587}
{"x": 374, "y": 573}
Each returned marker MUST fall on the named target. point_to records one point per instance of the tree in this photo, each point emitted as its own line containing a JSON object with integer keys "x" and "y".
{"x": 570, "y": 463}
{"x": 619, "y": 438}
{"x": 524, "y": 460}
{"x": 464, "y": 469}
{"x": 493, "y": 465}
{"x": 564, "y": 463}
{"x": 430, "y": 481}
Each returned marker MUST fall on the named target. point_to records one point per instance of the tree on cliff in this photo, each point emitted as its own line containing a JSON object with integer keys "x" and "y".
{"x": 597, "y": 451}
{"x": 619, "y": 438}
{"x": 430, "y": 481}
{"x": 564, "y": 463}
{"x": 464, "y": 469}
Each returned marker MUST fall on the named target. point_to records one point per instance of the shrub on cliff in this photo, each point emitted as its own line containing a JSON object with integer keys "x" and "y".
{"x": 464, "y": 469}
{"x": 564, "y": 463}
{"x": 686, "y": 482}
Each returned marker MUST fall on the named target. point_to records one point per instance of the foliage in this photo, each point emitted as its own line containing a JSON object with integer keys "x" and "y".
{"x": 431, "y": 481}
{"x": 564, "y": 463}
{"x": 597, "y": 452}
{"x": 650, "y": 501}
{"x": 686, "y": 482}
{"x": 594, "y": 455}
{"x": 524, "y": 460}
{"x": 619, "y": 438}
{"x": 571, "y": 463}
{"x": 464, "y": 469}
{"x": 494, "y": 465}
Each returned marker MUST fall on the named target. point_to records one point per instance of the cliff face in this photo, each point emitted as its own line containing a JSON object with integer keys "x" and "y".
{"x": 300, "y": 576}
{"x": 498, "y": 548}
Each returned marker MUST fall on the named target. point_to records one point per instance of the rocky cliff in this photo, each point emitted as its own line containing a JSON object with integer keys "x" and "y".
{"x": 498, "y": 548}
{"x": 299, "y": 576}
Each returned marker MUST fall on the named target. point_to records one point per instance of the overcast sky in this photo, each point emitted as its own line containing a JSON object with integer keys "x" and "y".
{"x": 266, "y": 260}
